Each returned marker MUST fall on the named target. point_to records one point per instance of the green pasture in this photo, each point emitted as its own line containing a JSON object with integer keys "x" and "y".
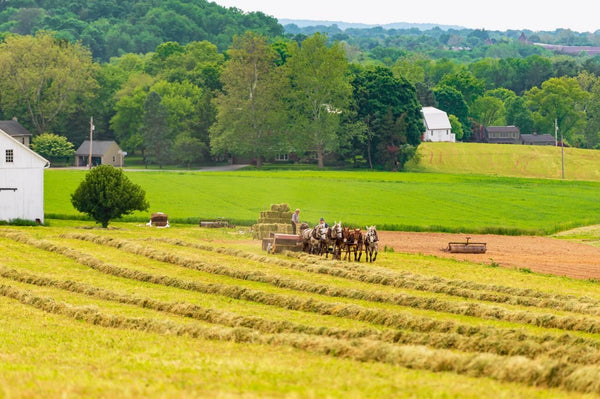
{"x": 393, "y": 201}
{"x": 134, "y": 311}
{"x": 508, "y": 160}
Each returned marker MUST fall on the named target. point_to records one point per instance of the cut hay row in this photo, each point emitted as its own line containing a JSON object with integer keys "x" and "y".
{"x": 355, "y": 312}
{"x": 546, "y": 320}
{"x": 506, "y": 343}
{"x": 406, "y": 280}
{"x": 389, "y": 319}
{"x": 539, "y": 373}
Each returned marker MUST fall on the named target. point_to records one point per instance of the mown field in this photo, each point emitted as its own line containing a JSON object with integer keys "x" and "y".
{"x": 392, "y": 201}
{"x": 133, "y": 311}
{"x": 508, "y": 160}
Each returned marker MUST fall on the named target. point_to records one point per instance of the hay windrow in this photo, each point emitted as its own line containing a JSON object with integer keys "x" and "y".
{"x": 539, "y": 373}
{"x": 573, "y": 323}
{"x": 407, "y": 280}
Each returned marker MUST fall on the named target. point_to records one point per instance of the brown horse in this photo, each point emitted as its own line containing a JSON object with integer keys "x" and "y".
{"x": 353, "y": 242}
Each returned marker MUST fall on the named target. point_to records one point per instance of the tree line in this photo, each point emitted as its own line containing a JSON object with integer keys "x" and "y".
{"x": 266, "y": 97}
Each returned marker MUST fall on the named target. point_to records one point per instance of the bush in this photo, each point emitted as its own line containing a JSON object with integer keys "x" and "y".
{"x": 106, "y": 193}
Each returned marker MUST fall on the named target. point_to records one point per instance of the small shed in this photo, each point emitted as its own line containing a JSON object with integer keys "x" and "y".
{"x": 21, "y": 181}
{"x": 104, "y": 152}
{"x": 437, "y": 125}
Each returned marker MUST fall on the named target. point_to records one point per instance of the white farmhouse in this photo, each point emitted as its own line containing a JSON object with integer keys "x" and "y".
{"x": 437, "y": 125}
{"x": 21, "y": 181}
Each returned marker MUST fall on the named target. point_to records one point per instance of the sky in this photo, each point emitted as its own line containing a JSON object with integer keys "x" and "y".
{"x": 535, "y": 15}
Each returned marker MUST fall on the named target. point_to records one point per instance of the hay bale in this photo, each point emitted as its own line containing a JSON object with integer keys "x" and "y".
{"x": 159, "y": 219}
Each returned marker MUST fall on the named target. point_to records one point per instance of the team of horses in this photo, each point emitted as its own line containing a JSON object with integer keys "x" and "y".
{"x": 337, "y": 240}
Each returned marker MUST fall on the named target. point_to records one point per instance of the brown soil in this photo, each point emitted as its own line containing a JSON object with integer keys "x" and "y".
{"x": 539, "y": 254}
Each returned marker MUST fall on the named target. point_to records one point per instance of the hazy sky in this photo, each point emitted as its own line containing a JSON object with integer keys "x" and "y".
{"x": 536, "y": 15}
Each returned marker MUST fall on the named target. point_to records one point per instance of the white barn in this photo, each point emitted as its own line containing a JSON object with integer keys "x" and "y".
{"x": 21, "y": 181}
{"x": 437, "y": 125}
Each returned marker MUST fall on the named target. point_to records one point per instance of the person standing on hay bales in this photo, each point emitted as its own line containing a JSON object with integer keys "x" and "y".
{"x": 295, "y": 220}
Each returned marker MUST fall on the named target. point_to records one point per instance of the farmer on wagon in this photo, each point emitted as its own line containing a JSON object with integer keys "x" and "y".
{"x": 295, "y": 220}
{"x": 322, "y": 223}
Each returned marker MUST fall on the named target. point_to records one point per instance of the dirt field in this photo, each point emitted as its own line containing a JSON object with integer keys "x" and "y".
{"x": 539, "y": 254}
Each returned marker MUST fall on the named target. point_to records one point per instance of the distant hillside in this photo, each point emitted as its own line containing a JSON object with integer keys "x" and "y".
{"x": 303, "y": 23}
{"x": 508, "y": 160}
{"x": 112, "y": 28}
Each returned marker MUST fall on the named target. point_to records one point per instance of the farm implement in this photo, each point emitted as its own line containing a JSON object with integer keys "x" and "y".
{"x": 467, "y": 247}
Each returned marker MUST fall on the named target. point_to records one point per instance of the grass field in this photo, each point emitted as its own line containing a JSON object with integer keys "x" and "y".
{"x": 134, "y": 311}
{"x": 508, "y": 160}
{"x": 392, "y": 201}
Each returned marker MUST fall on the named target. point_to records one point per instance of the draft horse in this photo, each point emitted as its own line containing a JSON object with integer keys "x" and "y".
{"x": 353, "y": 242}
{"x": 371, "y": 244}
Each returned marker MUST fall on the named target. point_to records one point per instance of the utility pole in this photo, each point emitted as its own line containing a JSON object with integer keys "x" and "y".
{"x": 91, "y": 134}
{"x": 562, "y": 147}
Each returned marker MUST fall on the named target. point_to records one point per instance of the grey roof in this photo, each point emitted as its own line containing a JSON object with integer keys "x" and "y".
{"x": 502, "y": 129}
{"x": 435, "y": 118}
{"x": 13, "y": 128}
{"x": 537, "y": 138}
{"x": 99, "y": 147}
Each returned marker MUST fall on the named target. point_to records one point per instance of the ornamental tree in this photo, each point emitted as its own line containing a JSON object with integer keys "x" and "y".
{"x": 106, "y": 193}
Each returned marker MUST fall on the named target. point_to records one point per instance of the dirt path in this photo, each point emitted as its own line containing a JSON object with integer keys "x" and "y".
{"x": 539, "y": 254}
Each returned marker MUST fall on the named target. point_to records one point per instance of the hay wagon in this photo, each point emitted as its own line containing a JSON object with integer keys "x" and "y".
{"x": 278, "y": 242}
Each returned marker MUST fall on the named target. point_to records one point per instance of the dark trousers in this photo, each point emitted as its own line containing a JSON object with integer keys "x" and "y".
{"x": 294, "y": 228}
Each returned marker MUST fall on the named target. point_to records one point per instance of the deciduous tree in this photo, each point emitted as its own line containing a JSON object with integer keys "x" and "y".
{"x": 44, "y": 77}
{"x": 319, "y": 92}
{"x": 249, "y": 112}
{"x": 106, "y": 194}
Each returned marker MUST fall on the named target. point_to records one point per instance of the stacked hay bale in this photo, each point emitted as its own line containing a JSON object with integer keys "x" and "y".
{"x": 276, "y": 220}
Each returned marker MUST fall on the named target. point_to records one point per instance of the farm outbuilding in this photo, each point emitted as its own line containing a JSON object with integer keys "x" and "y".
{"x": 21, "y": 181}
{"x": 437, "y": 125}
{"x": 104, "y": 152}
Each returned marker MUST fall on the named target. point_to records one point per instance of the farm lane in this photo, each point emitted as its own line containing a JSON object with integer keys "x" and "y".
{"x": 539, "y": 254}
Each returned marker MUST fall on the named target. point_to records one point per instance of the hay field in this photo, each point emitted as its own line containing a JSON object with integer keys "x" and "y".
{"x": 508, "y": 160}
{"x": 134, "y": 311}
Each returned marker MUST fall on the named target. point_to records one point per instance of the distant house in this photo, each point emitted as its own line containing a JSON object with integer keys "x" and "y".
{"x": 501, "y": 135}
{"x": 14, "y": 129}
{"x": 21, "y": 180}
{"x": 103, "y": 153}
{"x": 538, "y": 139}
{"x": 437, "y": 125}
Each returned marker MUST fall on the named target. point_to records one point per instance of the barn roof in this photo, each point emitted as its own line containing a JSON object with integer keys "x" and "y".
{"x": 99, "y": 147}
{"x": 435, "y": 118}
{"x": 538, "y": 138}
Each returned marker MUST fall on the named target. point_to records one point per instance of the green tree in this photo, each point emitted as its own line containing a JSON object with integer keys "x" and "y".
{"x": 452, "y": 102}
{"x": 518, "y": 114}
{"x": 53, "y": 147}
{"x": 106, "y": 194}
{"x": 249, "y": 115}
{"x": 563, "y": 100}
{"x": 188, "y": 149}
{"x": 319, "y": 92}
{"x": 156, "y": 131}
{"x": 389, "y": 109}
{"x": 44, "y": 77}
{"x": 488, "y": 111}
{"x": 457, "y": 127}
